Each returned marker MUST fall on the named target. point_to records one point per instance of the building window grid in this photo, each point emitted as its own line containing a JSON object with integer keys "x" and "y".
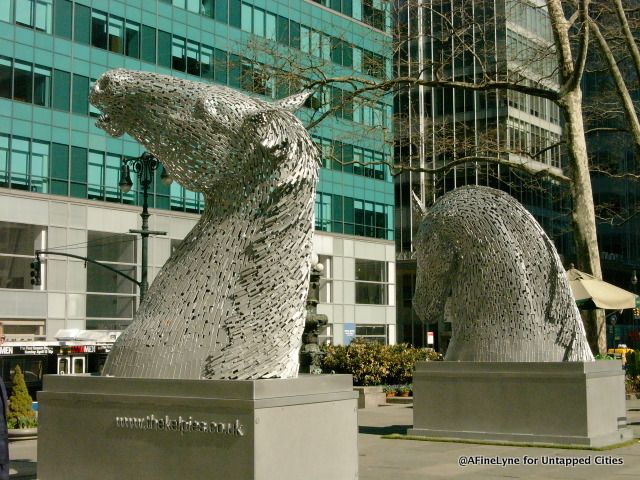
{"x": 36, "y": 14}
{"x": 339, "y": 156}
{"x": 114, "y": 31}
{"x": 46, "y": 167}
{"x": 110, "y": 297}
{"x": 340, "y": 214}
{"x": 119, "y": 35}
{"x": 325, "y": 294}
{"x": 25, "y": 81}
{"x": 371, "y": 282}
{"x": 17, "y": 249}
{"x": 523, "y": 137}
{"x": 372, "y": 333}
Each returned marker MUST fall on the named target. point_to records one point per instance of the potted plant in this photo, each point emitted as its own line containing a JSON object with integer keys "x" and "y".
{"x": 21, "y": 419}
{"x": 389, "y": 390}
{"x": 403, "y": 390}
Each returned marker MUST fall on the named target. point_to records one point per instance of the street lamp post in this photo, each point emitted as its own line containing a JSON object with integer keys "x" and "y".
{"x": 144, "y": 166}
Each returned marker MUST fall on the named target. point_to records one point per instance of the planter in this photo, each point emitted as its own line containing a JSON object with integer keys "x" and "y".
{"x": 403, "y": 394}
{"x": 370, "y": 397}
{"x": 391, "y": 394}
{"x": 16, "y": 434}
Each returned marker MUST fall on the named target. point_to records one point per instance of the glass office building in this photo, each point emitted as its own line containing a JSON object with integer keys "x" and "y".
{"x": 468, "y": 42}
{"x": 59, "y": 173}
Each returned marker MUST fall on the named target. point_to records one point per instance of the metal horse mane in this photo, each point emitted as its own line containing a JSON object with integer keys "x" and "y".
{"x": 483, "y": 253}
{"x": 230, "y": 302}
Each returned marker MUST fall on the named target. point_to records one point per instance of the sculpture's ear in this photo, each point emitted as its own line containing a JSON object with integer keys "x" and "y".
{"x": 419, "y": 205}
{"x": 294, "y": 102}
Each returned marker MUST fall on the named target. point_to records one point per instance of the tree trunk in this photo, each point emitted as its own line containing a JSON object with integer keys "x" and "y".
{"x": 583, "y": 214}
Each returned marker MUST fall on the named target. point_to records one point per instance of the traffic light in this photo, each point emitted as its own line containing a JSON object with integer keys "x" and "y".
{"x": 35, "y": 272}
{"x": 636, "y": 312}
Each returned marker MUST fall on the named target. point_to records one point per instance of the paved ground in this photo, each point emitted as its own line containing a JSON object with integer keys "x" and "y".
{"x": 383, "y": 459}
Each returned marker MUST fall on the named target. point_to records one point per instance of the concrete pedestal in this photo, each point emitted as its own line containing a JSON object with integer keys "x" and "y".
{"x": 125, "y": 428}
{"x": 572, "y": 403}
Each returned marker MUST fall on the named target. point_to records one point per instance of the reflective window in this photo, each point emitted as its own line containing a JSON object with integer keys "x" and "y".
{"x": 110, "y": 247}
{"x": 82, "y": 24}
{"x": 62, "y": 17}
{"x": 270, "y": 26}
{"x": 206, "y": 62}
{"x": 221, "y": 11}
{"x": 22, "y": 81}
{"x": 372, "y": 333}
{"x": 282, "y": 30}
{"x": 61, "y": 90}
{"x": 148, "y": 44}
{"x": 100, "y": 279}
{"x": 36, "y": 14}
{"x": 373, "y": 13}
{"x": 326, "y": 279}
{"x": 5, "y": 12}
{"x": 246, "y": 17}
{"x": 235, "y": 13}
{"x": 323, "y": 212}
{"x": 220, "y": 65}
{"x": 78, "y": 175}
{"x": 18, "y": 242}
{"x": 6, "y": 77}
{"x": 19, "y": 162}
{"x": 99, "y": 29}
{"x": 94, "y": 172}
{"x": 110, "y": 306}
{"x": 371, "y": 282}
{"x": 112, "y": 177}
{"x": 39, "y": 166}
{"x": 20, "y": 238}
{"x": 4, "y": 160}
{"x": 165, "y": 50}
{"x": 80, "y": 95}
{"x": 235, "y": 71}
{"x": 59, "y": 169}
{"x": 132, "y": 40}
{"x": 42, "y": 86}
{"x": 178, "y": 54}
{"x": 78, "y": 365}
{"x": 258, "y": 22}
{"x": 193, "y": 58}
{"x": 207, "y": 7}
{"x": 116, "y": 34}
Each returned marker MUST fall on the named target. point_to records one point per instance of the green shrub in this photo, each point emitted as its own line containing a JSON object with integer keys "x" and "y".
{"x": 600, "y": 356}
{"x": 632, "y": 368}
{"x": 375, "y": 364}
{"x": 632, "y": 364}
{"x": 19, "y": 413}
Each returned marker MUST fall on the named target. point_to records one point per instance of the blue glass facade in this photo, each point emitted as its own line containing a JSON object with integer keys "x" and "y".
{"x": 52, "y": 50}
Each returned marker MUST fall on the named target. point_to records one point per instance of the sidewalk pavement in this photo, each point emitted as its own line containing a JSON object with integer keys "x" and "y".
{"x": 383, "y": 459}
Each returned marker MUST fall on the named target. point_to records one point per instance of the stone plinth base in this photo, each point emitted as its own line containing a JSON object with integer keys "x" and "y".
{"x": 573, "y": 403}
{"x": 369, "y": 397}
{"x": 126, "y": 428}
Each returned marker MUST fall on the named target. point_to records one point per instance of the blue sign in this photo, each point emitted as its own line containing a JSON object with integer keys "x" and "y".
{"x": 349, "y": 332}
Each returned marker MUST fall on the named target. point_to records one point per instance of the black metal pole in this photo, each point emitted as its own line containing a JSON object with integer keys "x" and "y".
{"x": 144, "y": 166}
{"x": 144, "y": 284}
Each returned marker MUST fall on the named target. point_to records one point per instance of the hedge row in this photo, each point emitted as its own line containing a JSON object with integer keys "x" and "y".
{"x": 375, "y": 364}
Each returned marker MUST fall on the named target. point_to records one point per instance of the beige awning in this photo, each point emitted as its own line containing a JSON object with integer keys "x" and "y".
{"x": 590, "y": 292}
